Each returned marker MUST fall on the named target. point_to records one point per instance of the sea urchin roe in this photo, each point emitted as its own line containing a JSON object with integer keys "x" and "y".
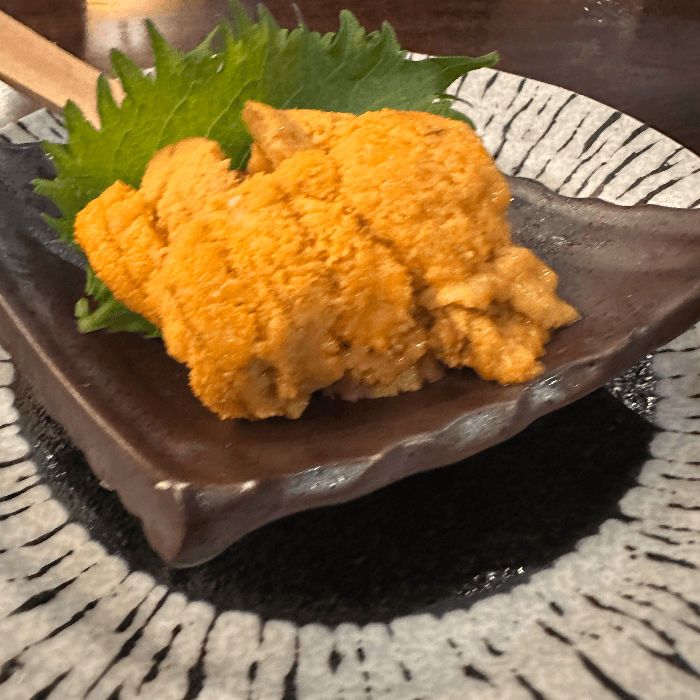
{"x": 354, "y": 254}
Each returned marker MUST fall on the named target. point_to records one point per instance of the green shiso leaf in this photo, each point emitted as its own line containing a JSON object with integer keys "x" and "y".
{"x": 202, "y": 93}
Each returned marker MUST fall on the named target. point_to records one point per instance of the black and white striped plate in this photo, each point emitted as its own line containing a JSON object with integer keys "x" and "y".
{"x": 563, "y": 564}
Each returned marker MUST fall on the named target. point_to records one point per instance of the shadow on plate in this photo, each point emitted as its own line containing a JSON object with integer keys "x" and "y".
{"x": 435, "y": 541}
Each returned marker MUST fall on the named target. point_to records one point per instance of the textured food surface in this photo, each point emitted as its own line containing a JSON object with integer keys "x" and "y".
{"x": 355, "y": 253}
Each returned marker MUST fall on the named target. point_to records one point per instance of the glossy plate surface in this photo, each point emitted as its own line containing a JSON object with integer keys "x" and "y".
{"x": 198, "y": 483}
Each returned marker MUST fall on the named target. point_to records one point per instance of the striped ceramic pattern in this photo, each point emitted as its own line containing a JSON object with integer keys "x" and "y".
{"x": 619, "y": 617}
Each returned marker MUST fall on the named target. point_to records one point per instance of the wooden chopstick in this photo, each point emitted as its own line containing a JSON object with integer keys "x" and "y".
{"x": 32, "y": 64}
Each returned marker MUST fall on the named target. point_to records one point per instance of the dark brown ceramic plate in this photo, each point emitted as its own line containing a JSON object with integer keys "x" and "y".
{"x": 197, "y": 484}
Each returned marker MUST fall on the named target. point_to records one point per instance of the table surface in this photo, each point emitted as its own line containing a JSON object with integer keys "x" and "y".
{"x": 639, "y": 56}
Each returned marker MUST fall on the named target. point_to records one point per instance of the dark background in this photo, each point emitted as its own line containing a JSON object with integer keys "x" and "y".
{"x": 639, "y": 56}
